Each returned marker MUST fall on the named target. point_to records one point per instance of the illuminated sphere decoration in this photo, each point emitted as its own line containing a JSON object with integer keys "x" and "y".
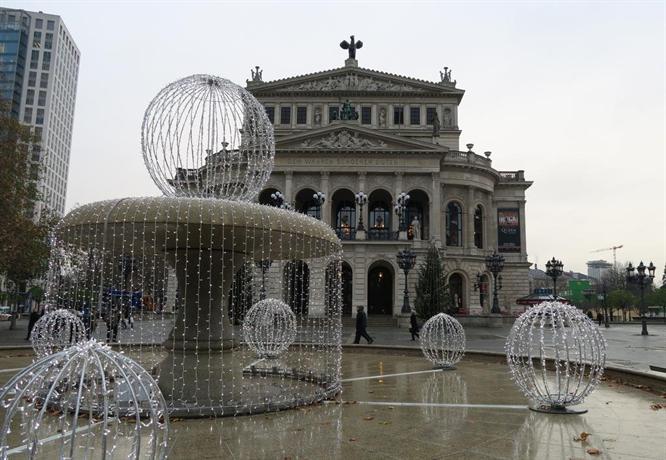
{"x": 443, "y": 341}
{"x": 83, "y": 402}
{"x": 205, "y": 136}
{"x": 556, "y": 355}
{"x": 55, "y": 331}
{"x": 269, "y": 328}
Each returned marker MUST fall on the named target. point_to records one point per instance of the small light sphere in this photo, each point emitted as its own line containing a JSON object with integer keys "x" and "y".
{"x": 442, "y": 340}
{"x": 205, "y": 136}
{"x": 269, "y": 328}
{"x": 55, "y": 331}
{"x": 556, "y": 355}
{"x": 86, "y": 401}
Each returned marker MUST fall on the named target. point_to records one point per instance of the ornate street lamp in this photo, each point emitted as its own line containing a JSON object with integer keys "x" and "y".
{"x": 319, "y": 198}
{"x": 641, "y": 280}
{"x": 400, "y": 207}
{"x": 482, "y": 287}
{"x": 554, "y": 269}
{"x": 495, "y": 265}
{"x": 361, "y": 200}
{"x": 406, "y": 260}
{"x": 278, "y": 198}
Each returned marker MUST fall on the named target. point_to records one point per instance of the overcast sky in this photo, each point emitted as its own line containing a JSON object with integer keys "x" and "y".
{"x": 574, "y": 94}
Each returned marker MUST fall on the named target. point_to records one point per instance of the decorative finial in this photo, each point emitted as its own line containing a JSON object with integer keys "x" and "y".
{"x": 445, "y": 77}
{"x": 256, "y": 76}
{"x": 469, "y": 147}
{"x": 351, "y": 46}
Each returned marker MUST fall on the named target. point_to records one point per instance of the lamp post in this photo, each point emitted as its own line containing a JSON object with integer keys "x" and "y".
{"x": 361, "y": 200}
{"x": 495, "y": 265}
{"x": 554, "y": 269}
{"x": 641, "y": 279}
{"x": 278, "y": 198}
{"x": 406, "y": 260}
{"x": 319, "y": 198}
{"x": 400, "y": 207}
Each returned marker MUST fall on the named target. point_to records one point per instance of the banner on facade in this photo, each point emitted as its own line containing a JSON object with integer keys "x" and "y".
{"x": 508, "y": 230}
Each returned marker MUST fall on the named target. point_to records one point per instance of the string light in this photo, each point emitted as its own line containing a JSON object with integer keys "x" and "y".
{"x": 442, "y": 340}
{"x": 86, "y": 401}
{"x": 55, "y": 331}
{"x": 269, "y": 328}
{"x": 556, "y": 355}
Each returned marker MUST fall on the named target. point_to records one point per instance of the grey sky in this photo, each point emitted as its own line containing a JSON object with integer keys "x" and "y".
{"x": 574, "y": 94}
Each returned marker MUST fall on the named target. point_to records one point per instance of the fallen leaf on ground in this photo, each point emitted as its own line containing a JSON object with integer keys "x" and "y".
{"x": 593, "y": 451}
{"x": 582, "y": 437}
{"x": 353, "y": 439}
{"x": 368, "y": 418}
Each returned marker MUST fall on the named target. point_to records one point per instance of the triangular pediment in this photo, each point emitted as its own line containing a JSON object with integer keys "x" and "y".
{"x": 347, "y": 136}
{"x": 352, "y": 80}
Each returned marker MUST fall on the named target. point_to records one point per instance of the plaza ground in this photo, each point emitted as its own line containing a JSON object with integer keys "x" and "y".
{"x": 395, "y": 406}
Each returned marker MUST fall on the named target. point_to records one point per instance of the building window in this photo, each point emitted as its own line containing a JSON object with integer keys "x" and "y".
{"x": 301, "y": 115}
{"x": 34, "y": 58}
{"x": 345, "y": 220}
{"x": 44, "y": 80}
{"x": 48, "y": 41}
{"x": 41, "y": 101}
{"x": 453, "y": 224}
{"x": 40, "y": 117}
{"x": 270, "y": 112}
{"x": 478, "y": 227}
{"x": 32, "y": 79}
{"x": 285, "y": 115}
{"x": 430, "y": 115}
{"x": 46, "y": 60}
{"x": 366, "y": 115}
{"x": 30, "y": 97}
{"x": 50, "y": 25}
{"x": 27, "y": 115}
{"x": 398, "y": 115}
{"x": 415, "y": 115}
{"x": 333, "y": 113}
{"x": 39, "y": 23}
{"x": 37, "y": 40}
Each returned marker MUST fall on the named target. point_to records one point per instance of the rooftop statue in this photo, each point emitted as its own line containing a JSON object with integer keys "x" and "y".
{"x": 351, "y": 46}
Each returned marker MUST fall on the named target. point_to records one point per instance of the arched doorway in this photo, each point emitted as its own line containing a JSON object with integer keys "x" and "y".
{"x": 380, "y": 289}
{"x": 457, "y": 291}
{"x": 417, "y": 213}
{"x": 379, "y": 215}
{"x": 306, "y": 204}
{"x": 297, "y": 286}
{"x": 344, "y": 214}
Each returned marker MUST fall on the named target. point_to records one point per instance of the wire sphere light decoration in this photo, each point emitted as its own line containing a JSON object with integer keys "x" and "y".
{"x": 556, "y": 355}
{"x": 205, "y": 136}
{"x": 55, "y": 331}
{"x": 86, "y": 401}
{"x": 443, "y": 341}
{"x": 269, "y": 328}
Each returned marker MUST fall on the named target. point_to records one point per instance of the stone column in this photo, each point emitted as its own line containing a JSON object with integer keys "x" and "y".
{"x": 324, "y": 188}
{"x": 397, "y": 189}
{"x": 435, "y": 210}
{"x": 523, "y": 232}
{"x": 288, "y": 187}
{"x": 469, "y": 222}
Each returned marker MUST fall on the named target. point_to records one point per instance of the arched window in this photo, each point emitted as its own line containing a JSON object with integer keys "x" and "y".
{"x": 379, "y": 215}
{"x": 345, "y": 219}
{"x": 478, "y": 227}
{"x": 306, "y": 204}
{"x": 453, "y": 224}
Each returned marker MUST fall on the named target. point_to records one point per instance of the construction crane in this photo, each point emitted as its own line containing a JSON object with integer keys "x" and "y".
{"x": 614, "y": 249}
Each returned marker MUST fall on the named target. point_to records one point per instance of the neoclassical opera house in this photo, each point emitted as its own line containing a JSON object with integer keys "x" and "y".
{"x": 349, "y": 130}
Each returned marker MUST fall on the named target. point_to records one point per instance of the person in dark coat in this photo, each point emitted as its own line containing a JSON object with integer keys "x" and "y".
{"x": 361, "y": 326}
{"x": 600, "y": 318}
{"x": 414, "y": 325}
{"x": 34, "y": 317}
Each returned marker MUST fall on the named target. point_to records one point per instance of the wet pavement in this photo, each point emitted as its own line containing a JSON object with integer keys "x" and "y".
{"x": 473, "y": 412}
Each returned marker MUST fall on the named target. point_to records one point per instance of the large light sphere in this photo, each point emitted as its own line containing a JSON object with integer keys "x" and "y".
{"x": 55, "y": 331}
{"x": 205, "y": 136}
{"x": 442, "y": 340}
{"x": 84, "y": 402}
{"x": 269, "y": 328}
{"x": 556, "y": 355}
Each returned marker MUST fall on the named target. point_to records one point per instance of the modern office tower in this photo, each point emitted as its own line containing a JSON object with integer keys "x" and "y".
{"x": 39, "y": 69}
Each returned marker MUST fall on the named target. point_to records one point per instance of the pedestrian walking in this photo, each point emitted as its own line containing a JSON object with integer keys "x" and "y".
{"x": 600, "y": 318}
{"x": 361, "y": 326}
{"x": 414, "y": 325}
